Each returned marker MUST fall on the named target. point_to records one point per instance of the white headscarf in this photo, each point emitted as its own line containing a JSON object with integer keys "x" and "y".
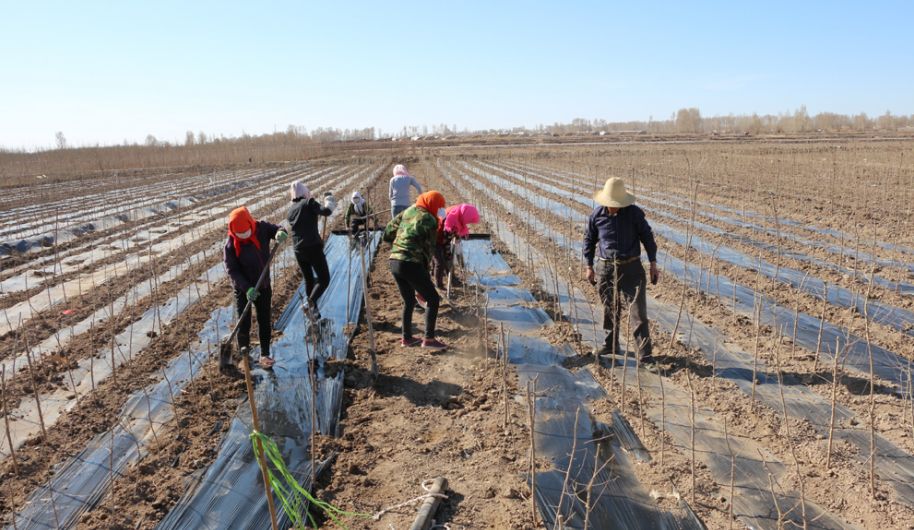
{"x": 400, "y": 170}
{"x": 298, "y": 190}
{"x": 358, "y": 202}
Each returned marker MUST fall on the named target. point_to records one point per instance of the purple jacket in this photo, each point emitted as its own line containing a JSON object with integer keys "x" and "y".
{"x": 618, "y": 236}
{"x": 246, "y": 268}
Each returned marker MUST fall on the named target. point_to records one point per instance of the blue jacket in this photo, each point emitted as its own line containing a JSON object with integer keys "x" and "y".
{"x": 246, "y": 268}
{"x": 618, "y": 236}
{"x": 398, "y": 190}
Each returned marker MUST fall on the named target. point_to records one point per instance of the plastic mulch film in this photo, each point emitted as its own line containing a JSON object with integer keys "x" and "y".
{"x": 589, "y": 457}
{"x": 80, "y": 482}
{"x": 678, "y": 201}
{"x": 888, "y": 365}
{"x": 753, "y": 501}
{"x": 885, "y": 314}
{"x": 231, "y": 492}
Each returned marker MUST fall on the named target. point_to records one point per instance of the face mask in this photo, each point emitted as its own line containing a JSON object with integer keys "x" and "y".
{"x": 442, "y": 212}
{"x": 243, "y": 235}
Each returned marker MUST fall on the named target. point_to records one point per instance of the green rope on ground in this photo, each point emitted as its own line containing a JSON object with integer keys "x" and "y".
{"x": 292, "y": 496}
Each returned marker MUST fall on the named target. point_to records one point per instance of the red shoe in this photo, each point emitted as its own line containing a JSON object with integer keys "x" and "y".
{"x": 433, "y": 344}
{"x": 266, "y": 362}
{"x": 409, "y": 342}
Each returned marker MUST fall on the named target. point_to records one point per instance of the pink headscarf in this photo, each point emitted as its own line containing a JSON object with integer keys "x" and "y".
{"x": 458, "y": 217}
{"x": 400, "y": 170}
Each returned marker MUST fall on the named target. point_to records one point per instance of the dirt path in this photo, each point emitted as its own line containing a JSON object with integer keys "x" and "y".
{"x": 428, "y": 415}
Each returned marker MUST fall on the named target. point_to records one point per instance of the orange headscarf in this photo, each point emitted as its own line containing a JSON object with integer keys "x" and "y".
{"x": 431, "y": 201}
{"x": 241, "y": 220}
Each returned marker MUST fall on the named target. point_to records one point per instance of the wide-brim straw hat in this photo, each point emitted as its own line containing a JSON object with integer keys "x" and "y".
{"x": 613, "y": 194}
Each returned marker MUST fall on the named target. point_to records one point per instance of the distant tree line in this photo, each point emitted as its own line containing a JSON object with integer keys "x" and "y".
{"x": 690, "y": 121}
{"x": 298, "y": 143}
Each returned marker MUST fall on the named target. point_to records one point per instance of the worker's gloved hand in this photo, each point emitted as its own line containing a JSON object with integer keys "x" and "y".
{"x": 281, "y": 236}
{"x": 252, "y": 294}
{"x": 655, "y": 274}
{"x": 329, "y": 201}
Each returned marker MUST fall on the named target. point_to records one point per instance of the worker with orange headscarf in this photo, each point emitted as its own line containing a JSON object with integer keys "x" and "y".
{"x": 246, "y": 254}
{"x": 413, "y": 234}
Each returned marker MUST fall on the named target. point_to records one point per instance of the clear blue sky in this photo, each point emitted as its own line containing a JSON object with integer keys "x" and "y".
{"x": 109, "y": 71}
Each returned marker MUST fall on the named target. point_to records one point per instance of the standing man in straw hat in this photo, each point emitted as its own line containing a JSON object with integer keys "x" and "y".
{"x": 613, "y": 237}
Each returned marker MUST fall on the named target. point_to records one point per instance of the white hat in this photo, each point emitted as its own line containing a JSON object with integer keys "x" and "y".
{"x": 298, "y": 190}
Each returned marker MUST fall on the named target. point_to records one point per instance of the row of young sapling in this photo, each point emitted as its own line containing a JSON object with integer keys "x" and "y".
{"x": 848, "y": 178}
{"x": 178, "y": 240}
{"x": 116, "y": 250}
{"x": 117, "y": 210}
{"x": 202, "y": 262}
{"x": 835, "y": 375}
{"x": 295, "y": 499}
{"x": 868, "y": 295}
{"x": 590, "y": 492}
{"x": 893, "y": 314}
{"x": 177, "y": 276}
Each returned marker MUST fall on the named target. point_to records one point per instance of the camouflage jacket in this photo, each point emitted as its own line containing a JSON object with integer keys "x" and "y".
{"x": 413, "y": 234}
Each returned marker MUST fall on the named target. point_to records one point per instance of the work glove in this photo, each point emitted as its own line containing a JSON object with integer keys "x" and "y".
{"x": 281, "y": 236}
{"x": 655, "y": 274}
{"x": 329, "y": 201}
{"x": 252, "y": 294}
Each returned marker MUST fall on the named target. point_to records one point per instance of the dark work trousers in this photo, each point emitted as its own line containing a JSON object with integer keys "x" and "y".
{"x": 358, "y": 233}
{"x": 358, "y": 225}
{"x": 632, "y": 283}
{"x": 263, "y": 306}
{"x": 313, "y": 265}
{"x": 441, "y": 267}
{"x": 396, "y": 210}
{"x": 412, "y": 278}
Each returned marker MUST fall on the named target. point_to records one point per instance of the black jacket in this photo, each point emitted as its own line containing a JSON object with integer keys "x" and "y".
{"x": 618, "y": 236}
{"x": 246, "y": 268}
{"x": 303, "y": 221}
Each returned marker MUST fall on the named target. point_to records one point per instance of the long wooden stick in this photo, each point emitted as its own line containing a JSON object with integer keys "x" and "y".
{"x": 255, "y": 424}
{"x": 6, "y": 418}
{"x": 28, "y": 357}
{"x": 504, "y": 373}
{"x": 371, "y": 342}
{"x": 834, "y": 399}
{"x": 531, "y": 408}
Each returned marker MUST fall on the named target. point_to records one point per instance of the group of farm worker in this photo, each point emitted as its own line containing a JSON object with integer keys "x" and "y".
{"x": 421, "y": 236}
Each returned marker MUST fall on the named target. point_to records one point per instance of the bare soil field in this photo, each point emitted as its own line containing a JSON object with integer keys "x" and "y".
{"x": 783, "y": 324}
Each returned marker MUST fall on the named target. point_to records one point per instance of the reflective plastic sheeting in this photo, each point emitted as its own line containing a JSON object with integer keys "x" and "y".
{"x": 231, "y": 492}
{"x": 562, "y": 403}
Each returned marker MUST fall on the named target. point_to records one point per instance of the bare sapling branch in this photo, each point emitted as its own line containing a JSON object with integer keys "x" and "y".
{"x": 531, "y": 411}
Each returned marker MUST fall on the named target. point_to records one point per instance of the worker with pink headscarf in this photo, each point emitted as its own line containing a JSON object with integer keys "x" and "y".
{"x": 454, "y": 225}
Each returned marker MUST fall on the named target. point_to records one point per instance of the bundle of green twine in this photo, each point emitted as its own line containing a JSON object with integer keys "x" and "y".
{"x": 292, "y": 496}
